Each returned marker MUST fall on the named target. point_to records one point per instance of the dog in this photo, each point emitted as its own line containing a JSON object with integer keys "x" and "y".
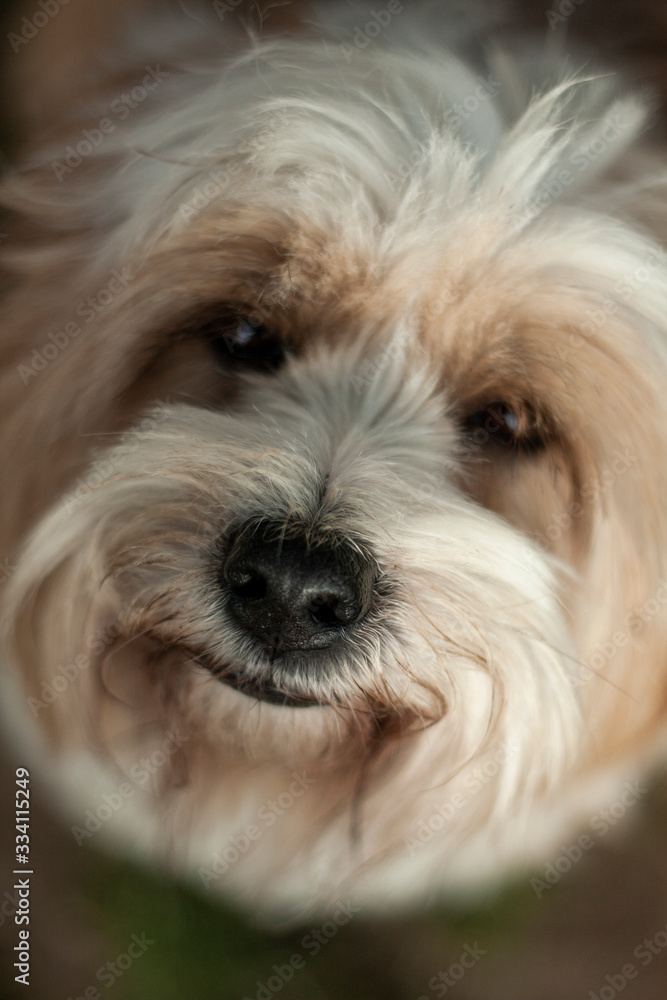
{"x": 334, "y": 396}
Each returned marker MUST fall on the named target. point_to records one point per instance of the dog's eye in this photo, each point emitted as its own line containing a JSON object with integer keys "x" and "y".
{"x": 245, "y": 342}
{"x": 511, "y": 426}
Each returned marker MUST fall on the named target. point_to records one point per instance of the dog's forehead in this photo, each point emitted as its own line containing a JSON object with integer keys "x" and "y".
{"x": 349, "y": 197}
{"x": 356, "y": 167}
{"x": 481, "y": 319}
{"x": 344, "y": 205}
{"x": 327, "y": 243}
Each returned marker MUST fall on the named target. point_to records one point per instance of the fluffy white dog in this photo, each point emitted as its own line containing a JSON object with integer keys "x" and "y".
{"x": 334, "y": 405}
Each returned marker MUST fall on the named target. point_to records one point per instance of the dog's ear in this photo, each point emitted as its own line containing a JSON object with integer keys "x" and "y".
{"x": 66, "y": 54}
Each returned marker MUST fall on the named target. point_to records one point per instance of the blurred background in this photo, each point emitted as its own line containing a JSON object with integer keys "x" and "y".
{"x": 569, "y": 939}
{"x": 592, "y": 928}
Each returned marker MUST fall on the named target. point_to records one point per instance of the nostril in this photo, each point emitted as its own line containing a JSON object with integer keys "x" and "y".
{"x": 332, "y": 609}
{"x": 324, "y": 610}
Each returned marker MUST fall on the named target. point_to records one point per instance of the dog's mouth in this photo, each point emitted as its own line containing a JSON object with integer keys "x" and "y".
{"x": 261, "y": 690}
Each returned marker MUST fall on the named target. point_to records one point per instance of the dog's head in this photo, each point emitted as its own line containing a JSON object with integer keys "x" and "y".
{"x": 334, "y": 439}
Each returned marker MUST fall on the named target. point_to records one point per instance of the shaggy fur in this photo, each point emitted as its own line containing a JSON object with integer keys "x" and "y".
{"x": 471, "y": 297}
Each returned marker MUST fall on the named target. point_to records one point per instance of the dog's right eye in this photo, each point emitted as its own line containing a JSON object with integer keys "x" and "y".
{"x": 513, "y": 426}
{"x": 245, "y": 342}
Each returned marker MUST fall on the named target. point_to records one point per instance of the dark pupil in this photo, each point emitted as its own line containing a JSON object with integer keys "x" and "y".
{"x": 247, "y": 342}
{"x": 505, "y": 426}
{"x": 502, "y": 422}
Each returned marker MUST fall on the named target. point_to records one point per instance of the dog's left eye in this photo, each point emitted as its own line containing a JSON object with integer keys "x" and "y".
{"x": 511, "y": 426}
{"x": 246, "y": 342}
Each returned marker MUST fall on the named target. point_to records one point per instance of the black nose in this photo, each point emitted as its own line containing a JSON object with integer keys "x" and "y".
{"x": 292, "y": 594}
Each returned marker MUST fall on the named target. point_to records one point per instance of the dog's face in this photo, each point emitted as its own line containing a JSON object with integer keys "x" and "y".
{"x": 334, "y": 486}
